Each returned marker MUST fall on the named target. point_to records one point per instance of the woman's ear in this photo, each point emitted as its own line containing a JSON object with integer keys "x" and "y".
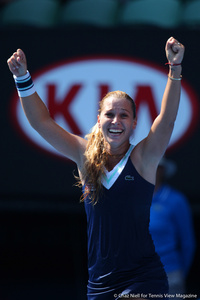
{"x": 135, "y": 123}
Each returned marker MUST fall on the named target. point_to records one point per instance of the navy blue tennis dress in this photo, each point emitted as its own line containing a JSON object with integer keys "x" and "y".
{"x": 121, "y": 254}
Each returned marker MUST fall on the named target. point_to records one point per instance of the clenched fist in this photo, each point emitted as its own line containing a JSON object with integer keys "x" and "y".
{"x": 17, "y": 63}
{"x": 174, "y": 51}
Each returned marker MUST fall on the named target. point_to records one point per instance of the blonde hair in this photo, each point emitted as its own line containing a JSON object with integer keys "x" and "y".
{"x": 96, "y": 155}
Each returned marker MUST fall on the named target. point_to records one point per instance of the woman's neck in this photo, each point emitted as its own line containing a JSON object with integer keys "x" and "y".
{"x": 118, "y": 151}
{"x": 114, "y": 156}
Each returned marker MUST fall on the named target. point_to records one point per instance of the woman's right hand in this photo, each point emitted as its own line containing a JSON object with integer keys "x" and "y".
{"x": 17, "y": 63}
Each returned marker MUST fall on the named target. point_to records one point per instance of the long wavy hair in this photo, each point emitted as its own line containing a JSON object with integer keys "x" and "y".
{"x": 96, "y": 155}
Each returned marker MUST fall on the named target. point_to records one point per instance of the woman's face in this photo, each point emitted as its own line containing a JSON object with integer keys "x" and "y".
{"x": 116, "y": 121}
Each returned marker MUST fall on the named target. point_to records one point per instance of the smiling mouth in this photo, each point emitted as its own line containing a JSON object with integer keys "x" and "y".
{"x": 115, "y": 131}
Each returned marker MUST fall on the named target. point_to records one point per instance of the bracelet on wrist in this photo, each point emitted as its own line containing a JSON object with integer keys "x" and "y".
{"x": 171, "y": 64}
{"x": 173, "y": 78}
{"x": 24, "y": 84}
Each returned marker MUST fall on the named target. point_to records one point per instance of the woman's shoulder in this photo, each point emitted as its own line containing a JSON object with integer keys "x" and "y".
{"x": 144, "y": 166}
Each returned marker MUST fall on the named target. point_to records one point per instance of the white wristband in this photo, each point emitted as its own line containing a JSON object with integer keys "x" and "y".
{"x": 24, "y": 84}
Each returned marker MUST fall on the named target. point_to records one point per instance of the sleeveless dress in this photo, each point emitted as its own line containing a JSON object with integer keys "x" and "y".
{"x": 121, "y": 254}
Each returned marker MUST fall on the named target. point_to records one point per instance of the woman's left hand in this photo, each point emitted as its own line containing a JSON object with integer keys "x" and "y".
{"x": 174, "y": 51}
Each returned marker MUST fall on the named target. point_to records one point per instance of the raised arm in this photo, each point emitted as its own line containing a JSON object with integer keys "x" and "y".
{"x": 70, "y": 145}
{"x": 149, "y": 151}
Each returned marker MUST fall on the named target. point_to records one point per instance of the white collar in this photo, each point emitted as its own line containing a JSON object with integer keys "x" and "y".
{"x": 109, "y": 178}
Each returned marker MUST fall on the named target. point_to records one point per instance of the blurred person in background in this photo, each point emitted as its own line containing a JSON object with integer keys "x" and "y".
{"x": 171, "y": 227}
